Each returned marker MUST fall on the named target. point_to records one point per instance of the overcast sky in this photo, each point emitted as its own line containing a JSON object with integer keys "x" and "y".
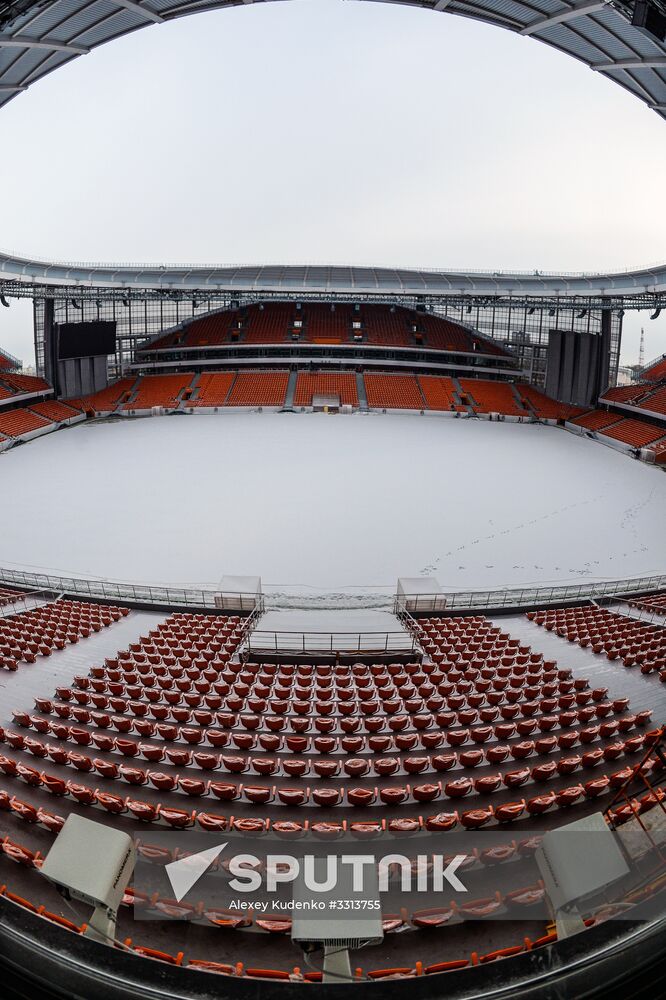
{"x": 332, "y": 131}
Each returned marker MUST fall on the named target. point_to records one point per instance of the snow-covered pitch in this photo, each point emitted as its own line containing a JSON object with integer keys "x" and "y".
{"x": 321, "y": 504}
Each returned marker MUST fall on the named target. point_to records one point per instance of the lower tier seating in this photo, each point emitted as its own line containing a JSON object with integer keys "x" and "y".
{"x": 397, "y": 391}
{"x": 13, "y": 423}
{"x": 213, "y": 389}
{"x": 160, "y": 390}
{"x": 439, "y": 392}
{"x": 637, "y": 433}
{"x": 341, "y": 384}
{"x": 492, "y": 397}
{"x": 106, "y": 400}
{"x": 259, "y": 389}
{"x": 54, "y": 410}
{"x": 596, "y": 420}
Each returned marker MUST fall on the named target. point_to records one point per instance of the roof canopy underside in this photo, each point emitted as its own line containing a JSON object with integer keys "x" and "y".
{"x": 38, "y": 36}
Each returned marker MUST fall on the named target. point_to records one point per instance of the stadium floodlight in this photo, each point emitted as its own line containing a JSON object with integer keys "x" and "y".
{"x": 93, "y": 863}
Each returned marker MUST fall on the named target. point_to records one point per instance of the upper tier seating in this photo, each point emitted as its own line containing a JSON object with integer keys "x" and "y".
{"x": 342, "y": 384}
{"x": 388, "y": 325}
{"x": 52, "y": 409}
{"x": 445, "y": 335}
{"x": 630, "y": 640}
{"x": 656, "y": 372}
{"x": 7, "y": 362}
{"x": 627, "y": 393}
{"x": 655, "y": 401}
{"x": 207, "y": 331}
{"x": 269, "y": 323}
{"x": 596, "y": 420}
{"x": 259, "y": 389}
{"x": 492, "y": 397}
{"x": 13, "y": 423}
{"x": 25, "y": 636}
{"x": 160, "y": 390}
{"x": 24, "y": 383}
{"x": 324, "y": 323}
{"x": 398, "y": 391}
{"x": 213, "y": 389}
{"x": 8, "y": 596}
{"x": 637, "y": 433}
{"x": 654, "y": 603}
{"x": 439, "y": 392}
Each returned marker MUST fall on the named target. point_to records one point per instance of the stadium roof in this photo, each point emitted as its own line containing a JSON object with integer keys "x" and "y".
{"x": 38, "y": 36}
{"x": 26, "y": 275}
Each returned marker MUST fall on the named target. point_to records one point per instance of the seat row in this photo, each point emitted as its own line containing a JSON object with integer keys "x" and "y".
{"x": 176, "y": 817}
{"x": 25, "y": 636}
{"x": 405, "y": 732}
{"x": 355, "y": 767}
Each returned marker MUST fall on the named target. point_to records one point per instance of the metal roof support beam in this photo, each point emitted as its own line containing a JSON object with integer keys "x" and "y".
{"x": 11, "y": 88}
{"x": 139, "y": 8}
{"x": 564, "y": 15}
{"x": 649, "y": 62}
{"x": 441, "y": 4}
{"x": 21, "y": 42}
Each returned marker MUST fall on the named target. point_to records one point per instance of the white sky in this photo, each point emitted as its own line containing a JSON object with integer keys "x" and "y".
{"x": 323, "y": 130}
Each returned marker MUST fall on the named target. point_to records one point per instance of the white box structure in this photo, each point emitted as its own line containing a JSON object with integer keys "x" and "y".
{"x": 420, "y": 593}
{"x": 238, "y": 593}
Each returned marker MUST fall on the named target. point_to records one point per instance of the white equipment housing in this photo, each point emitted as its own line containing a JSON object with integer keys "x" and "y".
{"x": 575, "y": 861}
{"x": 93, "y": 863}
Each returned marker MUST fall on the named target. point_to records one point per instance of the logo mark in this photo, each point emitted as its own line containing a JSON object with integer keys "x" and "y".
{"x": 186, "y": 872}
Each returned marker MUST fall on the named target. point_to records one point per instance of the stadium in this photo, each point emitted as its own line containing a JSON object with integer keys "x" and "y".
{"x": 313, "y": 564}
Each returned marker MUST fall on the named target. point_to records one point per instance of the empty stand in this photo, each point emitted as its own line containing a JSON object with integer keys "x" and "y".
{"x": 160, "y": 390}
{"x": 259, "y": 389}
{"x": 393, "y": 391}
{"x": 340, "y": 384}
{"x": 325, "y": 323}
{"x": 637, "y": 433}
{"x": 106, "y": 400}
{"x": 656, "y": 371}
{"x": 14, "y": 423}
{"x": 596, "y": 420}
{"x": 492, "y": 397}
{"x": 54, "y": 410}
{"x": 439, "y": 392}
{"x": 654, "y": 401}
{"x": 24, "y": 383}
{"x": 213, "y": 389}
{"x": 269, "y": 323}
{"x": 544, "y": 407}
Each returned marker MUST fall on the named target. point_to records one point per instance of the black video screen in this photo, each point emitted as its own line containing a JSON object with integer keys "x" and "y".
{"x": 86, "y": 340}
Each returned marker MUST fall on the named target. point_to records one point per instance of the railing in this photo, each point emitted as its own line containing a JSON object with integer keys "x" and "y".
{"x": 521, "y": 597}
{"x": 134, "y": 593}
{"x": 330, "y": 642}
{"x": 209, "y": 597}
{"x": 25, "y": 601}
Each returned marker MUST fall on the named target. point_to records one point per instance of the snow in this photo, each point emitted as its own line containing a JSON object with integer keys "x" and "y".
{"x": 335, "y": 505}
